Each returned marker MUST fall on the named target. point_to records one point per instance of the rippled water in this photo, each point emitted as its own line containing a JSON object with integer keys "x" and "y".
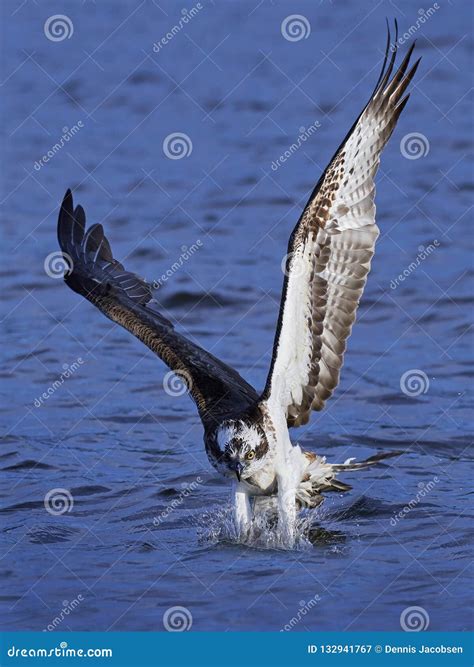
{"x": 148, "y": 529}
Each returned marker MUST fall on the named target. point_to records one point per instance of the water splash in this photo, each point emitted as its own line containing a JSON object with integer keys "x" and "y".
{"x": 217, "y": 526}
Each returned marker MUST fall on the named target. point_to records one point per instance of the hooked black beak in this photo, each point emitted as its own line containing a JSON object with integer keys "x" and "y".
{"x": 237, "y": 467}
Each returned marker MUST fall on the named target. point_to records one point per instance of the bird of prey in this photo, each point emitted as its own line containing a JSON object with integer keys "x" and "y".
{"x": 246, "y": 433}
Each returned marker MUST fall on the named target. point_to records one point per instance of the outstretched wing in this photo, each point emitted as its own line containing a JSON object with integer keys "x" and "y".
{"x": 329, "y": 257}
{"x": 218, "y": 390}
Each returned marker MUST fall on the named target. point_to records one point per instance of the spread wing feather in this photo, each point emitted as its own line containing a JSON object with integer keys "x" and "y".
{"x": 218, "y": 390}
{"x": 329, "y": 256}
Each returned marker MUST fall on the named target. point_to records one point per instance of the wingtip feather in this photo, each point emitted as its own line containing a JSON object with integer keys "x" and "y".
{"x": 65, "y": 220}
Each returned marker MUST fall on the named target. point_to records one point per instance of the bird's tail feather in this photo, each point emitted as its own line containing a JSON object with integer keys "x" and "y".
{"x": 322, "y": 476}
{"x": 352, "y": 464}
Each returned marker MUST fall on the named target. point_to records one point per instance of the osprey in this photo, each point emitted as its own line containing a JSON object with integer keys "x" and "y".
{"x": 246, "y": 434}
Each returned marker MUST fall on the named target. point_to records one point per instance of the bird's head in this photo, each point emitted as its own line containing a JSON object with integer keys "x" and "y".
{"x": 244, "y": 447}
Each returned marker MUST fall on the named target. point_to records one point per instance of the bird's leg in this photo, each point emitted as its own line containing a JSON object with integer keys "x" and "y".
{"x": 242, "y": 509}
{"x": 287, "y": 505}
{"x": 287, "y": 471}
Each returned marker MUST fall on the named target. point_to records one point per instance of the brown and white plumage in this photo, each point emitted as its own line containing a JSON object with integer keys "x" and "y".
{"x": 329, "y": 257}
{"x": 329, "y": 254}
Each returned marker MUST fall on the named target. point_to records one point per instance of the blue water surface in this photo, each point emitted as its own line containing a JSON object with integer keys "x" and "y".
{"x": 144, "y": 531}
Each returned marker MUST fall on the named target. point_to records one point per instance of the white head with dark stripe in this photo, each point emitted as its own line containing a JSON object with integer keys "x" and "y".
{"x": 244, "y": 447}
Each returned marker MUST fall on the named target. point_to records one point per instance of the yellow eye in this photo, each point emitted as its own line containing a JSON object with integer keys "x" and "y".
{"x": 250, "y": 455}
